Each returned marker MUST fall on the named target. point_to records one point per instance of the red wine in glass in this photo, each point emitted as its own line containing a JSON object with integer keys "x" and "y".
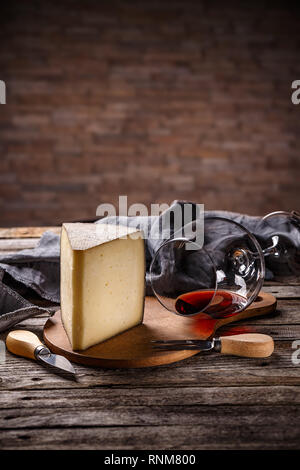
{"x": 224, "y": 304}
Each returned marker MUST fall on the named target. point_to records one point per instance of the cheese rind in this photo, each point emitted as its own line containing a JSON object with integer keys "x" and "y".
{"x": 102, "y": 286}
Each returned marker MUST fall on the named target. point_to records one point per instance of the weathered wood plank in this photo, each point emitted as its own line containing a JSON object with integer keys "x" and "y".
{"x": 169, "y": 415}
{"x": 17, "y": 244}
{"x": 104, "y": 397}
{"x": 287, "y": 282}
{"x": 209, "y": 370}
{"x": 43, "y": 380}
{"x": 26, "y": 232}
{"x": 287, "y": 313}
{"x": 284, "y": 292}
{"x": 230, "y": 427}
{"x": 280, "y": 357}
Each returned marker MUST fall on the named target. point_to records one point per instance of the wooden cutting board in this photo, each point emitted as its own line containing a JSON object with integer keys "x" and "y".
{"x": 133, "y": 348}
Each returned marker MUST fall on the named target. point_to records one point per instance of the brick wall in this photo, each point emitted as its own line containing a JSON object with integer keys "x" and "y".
{"x": 159, "y": 100}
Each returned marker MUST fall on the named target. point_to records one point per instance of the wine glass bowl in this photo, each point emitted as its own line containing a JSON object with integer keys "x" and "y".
{"x": 179, "y": 267}
{"x": 220, "y": 278}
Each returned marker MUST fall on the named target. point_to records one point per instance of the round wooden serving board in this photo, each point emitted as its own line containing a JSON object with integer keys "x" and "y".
{"x": 133, "y": 348}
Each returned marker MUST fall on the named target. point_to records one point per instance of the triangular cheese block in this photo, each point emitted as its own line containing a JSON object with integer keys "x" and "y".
{"x": 102, "y": 281}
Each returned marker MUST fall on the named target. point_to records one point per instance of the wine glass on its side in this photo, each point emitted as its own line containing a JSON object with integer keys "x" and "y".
{"x": 220, "y": 278}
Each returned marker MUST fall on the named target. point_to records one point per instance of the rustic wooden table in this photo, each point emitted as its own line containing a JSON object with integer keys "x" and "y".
{"x": 205, "y": 402}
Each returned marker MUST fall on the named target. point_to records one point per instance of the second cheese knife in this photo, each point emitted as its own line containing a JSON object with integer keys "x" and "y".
{"x": 26, "y": 344}
{"x": 246, "y": 345}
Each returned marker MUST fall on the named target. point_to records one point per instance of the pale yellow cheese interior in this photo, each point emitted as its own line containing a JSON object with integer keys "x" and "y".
{"x": 102, "y": 287}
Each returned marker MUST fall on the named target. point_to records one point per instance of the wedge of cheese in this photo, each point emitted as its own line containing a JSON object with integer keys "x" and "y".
{"x": 102, "y": 281}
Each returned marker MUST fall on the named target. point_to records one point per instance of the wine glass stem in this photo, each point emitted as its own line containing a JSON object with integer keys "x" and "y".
{"x": 271, "y": 250}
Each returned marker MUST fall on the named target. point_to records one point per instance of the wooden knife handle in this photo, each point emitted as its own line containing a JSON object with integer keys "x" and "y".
{"x": 247, "y": 345}
{"x": 22, "y": 343}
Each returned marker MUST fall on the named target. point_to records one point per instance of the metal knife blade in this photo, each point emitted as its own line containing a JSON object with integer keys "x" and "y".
{"x": 199, "y": 345}
{"x": 54, "y": 361}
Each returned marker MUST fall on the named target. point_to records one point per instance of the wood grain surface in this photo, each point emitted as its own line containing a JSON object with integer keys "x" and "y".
{"x": 256, "y": 402}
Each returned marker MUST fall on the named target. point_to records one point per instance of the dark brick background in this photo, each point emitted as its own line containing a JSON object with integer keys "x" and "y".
{"x": 157, "y": 100}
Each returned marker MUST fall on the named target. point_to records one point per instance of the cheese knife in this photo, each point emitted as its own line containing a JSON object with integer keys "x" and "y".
{"x": 26, "y": 344}
{"x": 246, "y": 345}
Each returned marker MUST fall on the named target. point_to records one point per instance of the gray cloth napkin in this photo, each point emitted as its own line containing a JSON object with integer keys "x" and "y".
{"x": 38, "y": 268}
{"x": 13, "y": 307}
